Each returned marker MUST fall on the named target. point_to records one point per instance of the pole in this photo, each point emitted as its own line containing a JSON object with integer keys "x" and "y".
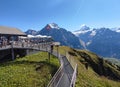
{"x": 39, "y": 45}
{"x": 57, "y": 51}
{"x": 12, "y": 51}
{"x": 49, "y": 57}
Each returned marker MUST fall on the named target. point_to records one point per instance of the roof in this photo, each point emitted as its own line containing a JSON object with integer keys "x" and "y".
{"x": 11, "y": 31}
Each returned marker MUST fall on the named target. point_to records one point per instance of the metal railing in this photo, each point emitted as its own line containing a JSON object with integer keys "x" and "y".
{"x": 35, "y": 46}
{"x": 72, "y": 84}
{"x": 55, "y": 79}
{"x": 18, "y": 44}
{"x": 74, "y": 66}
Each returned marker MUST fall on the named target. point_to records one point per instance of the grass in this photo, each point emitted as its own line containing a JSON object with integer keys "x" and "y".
{"x": 36, "y": 71}
{"x": 89, "y": 78}
{"x": 30, "y": 71}
{"x": 113, "y": 61}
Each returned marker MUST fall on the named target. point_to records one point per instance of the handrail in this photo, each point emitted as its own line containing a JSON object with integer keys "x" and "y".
{"x": 72, "y": 84}
{"x": 74, "y": 66}
{"x": 53, "y": 82}
{"x": 71, "y": 61}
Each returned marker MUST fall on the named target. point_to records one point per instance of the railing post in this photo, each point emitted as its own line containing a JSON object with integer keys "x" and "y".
{"x": 13, "y": 56}
{"x": 39, "y": 45}
{"x": 49, "y": 56}
{"x": 57, "y": 50}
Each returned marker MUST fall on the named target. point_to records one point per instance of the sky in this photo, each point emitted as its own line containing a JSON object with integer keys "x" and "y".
{"x": 68, "y": 14}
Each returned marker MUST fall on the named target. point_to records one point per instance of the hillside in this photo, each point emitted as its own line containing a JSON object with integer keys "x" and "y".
{"x": 35, "y": 70}
{"x": 113, "y": 61}
{"x": 30, "y": 71}
{"x": 100, "y": 73}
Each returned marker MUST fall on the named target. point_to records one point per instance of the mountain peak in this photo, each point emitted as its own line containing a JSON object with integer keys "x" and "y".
{"x": 117, "y": 29}
{"x": 52, "y": 26}
{"x": 31, "y": 32}
{"x": 84, "y": 27}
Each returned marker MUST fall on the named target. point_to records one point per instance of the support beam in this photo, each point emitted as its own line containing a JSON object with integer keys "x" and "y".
{"x": 13, "y": 56}
{"x": 49, "y": 57}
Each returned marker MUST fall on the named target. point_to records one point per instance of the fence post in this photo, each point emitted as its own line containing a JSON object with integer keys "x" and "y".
{"x": 49, "y": 56}
{"x": 13, "y": 56}
{"x": 57, "y": 50}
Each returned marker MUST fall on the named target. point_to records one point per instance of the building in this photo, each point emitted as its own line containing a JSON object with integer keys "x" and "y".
{"x": 10, "y": 33}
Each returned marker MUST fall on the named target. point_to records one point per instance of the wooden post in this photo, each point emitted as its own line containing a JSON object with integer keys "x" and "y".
{"x": 27, "y": 51}
{"x": 46, "y": 48}
{"x": 39, "y": 45}
{"x": 13, "y": 56}
{"x": 49, "y": 57}
{"x": 57, "y": 44}
{"x": 57, "y": 51}
{"x": 51, "y": 48}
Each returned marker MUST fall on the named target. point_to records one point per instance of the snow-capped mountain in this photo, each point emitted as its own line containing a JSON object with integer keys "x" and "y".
{"x": 118, "y": 30}
{"x": 53, "y": 26}
{"x": 31, "y": 32}
{"x": 61, "y": 35}
{"x": 103, "y": 41}
{"x": 83, "y": 29}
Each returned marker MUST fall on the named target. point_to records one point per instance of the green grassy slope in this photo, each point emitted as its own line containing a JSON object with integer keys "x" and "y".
{"x": 30, "y": 71}
{"x": 99, "y": 73}
{"x": 113, "y": 61}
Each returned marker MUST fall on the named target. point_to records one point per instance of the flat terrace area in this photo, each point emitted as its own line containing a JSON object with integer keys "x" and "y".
{"x": 14, "y": 42}
{"x": 26, "y": 45}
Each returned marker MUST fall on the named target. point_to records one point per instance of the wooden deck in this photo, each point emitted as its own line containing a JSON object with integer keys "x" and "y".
{"x": 22, "y": 49}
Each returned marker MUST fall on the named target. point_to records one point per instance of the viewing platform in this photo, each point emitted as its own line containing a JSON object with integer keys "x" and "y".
{"x": 15, "y": 43}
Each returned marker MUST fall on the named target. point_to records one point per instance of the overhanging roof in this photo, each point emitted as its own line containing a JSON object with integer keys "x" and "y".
{"x": 11, "y": 31}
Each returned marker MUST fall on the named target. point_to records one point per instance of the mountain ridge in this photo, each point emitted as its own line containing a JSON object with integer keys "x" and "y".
{"x": 60, "y": 35}
{"x": 103, "y": 41}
